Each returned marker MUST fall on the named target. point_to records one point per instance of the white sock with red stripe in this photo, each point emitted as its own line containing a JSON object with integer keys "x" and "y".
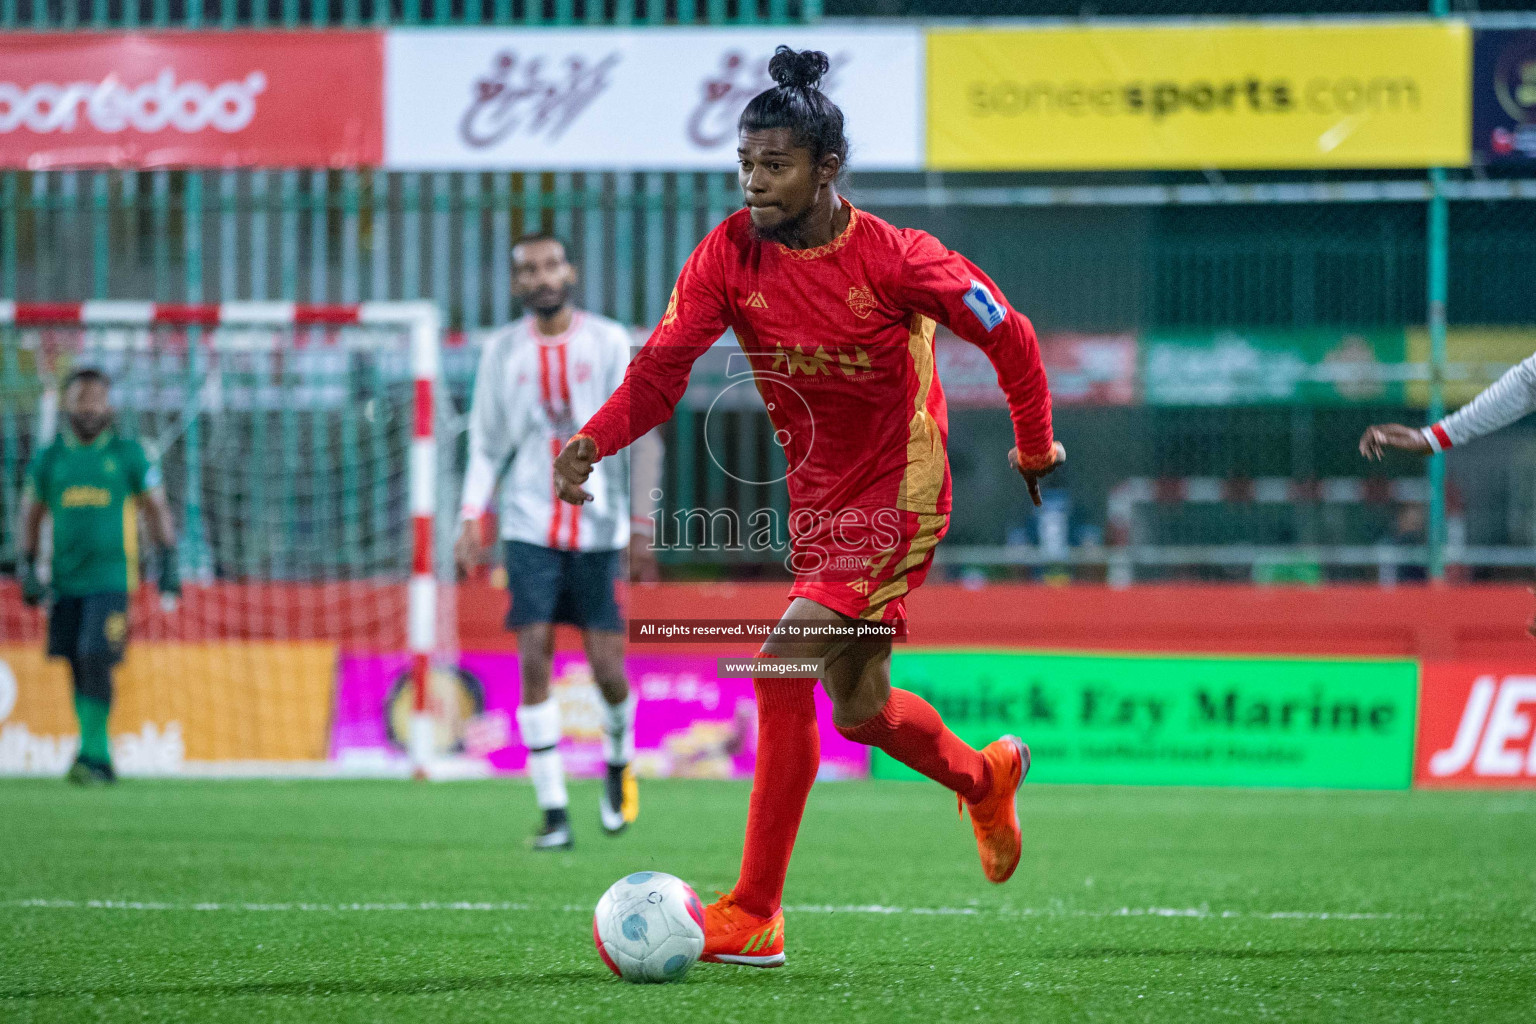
{"x": 539, "y": 725}
{"x": 619, "y": 731}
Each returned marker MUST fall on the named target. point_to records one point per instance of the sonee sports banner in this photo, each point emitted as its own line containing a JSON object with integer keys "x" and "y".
{"x": 1179, "y": 96}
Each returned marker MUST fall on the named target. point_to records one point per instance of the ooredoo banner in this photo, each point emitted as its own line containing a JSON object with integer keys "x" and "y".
{"x": 1176, "y": 720}
{"x": 621, "y": 99}
{"x": 1194, "y": 96}
{"x": 191, "y": 99}
{"x": 689, "y": 723}
{"x": 1477, "y": 726}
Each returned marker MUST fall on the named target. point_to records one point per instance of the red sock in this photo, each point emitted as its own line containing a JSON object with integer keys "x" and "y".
{"x": 910, "y": 730}
{"x": 788, "y": 754}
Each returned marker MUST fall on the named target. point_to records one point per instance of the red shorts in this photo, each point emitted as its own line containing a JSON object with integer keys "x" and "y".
{"x": 863, "y": 562}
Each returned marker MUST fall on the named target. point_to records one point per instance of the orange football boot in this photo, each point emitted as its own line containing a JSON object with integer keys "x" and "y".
{"x": 732, "y": 935}
{"x": 995, "y": 818}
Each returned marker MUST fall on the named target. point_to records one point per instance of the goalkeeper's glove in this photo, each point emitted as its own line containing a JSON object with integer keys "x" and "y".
{"x": 170, "y": 574}
{"x": 32, "y": 589}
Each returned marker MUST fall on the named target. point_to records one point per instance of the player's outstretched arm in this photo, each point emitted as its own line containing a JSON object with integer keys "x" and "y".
{"x": 657, "y": 377}
{"x": 1033, "y": 469}
{"x": 1500, "y": 404}
{"x": 952, "y": 290}
{"x": 1380, "y": 436}
{"x": 572, "y": 467}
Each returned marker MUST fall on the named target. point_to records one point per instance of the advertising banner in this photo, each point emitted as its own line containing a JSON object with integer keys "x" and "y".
{"x": 1504, "y": 95}
{"x": 688, "y": 724}
{"x": 191, "y": 99}
{"x": 482, "y": 99}
{"x": 1083, "y": 369}
{"x": 1477, "y": 356}
{"x": 1188, "y": 721}
{"x": 1477, "y": 726}
{"x": 1376, "y": 94}
{"x": 174, "y": 703}
{"x": 1321, "y": 367}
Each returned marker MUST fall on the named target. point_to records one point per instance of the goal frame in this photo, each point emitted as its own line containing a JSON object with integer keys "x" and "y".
{"x": 423, "y": 325}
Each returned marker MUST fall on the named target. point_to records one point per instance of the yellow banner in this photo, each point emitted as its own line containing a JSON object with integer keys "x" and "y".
{"x": 1226, "y": 96}
{"x": 174, "y": 703}
{"x": 1477, "y": 356}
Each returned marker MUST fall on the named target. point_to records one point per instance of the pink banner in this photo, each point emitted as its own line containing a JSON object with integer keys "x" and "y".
{"x": 689, "y": 723}
{"x": 191, "y": 99}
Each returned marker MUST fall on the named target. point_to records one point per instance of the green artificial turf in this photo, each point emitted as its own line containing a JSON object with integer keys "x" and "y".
{"x": 259, "y": 901}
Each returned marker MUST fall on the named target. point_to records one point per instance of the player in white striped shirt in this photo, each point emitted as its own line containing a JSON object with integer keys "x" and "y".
{"x": 1503, "y": 402}
{"x": 539, "y": 378}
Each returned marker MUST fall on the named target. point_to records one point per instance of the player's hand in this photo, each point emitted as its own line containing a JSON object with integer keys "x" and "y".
{"x": 170, "y": 575}
{"x": 467, "y": 550}
{"x": 32, "y": 590}
{"x": 572, "y": 467}
{"x": 642, "y": 560}
{"x": 1032, "y": 471}
{"x": 1382, "y": 436}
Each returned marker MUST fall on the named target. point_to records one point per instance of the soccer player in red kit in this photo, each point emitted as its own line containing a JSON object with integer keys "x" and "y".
{"x": 836, "y": 309}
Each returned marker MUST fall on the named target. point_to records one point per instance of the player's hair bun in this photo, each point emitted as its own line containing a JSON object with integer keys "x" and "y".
{"x": 798, "y": 69}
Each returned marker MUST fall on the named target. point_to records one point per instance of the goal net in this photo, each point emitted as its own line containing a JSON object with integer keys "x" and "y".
{"x": 300, "y": 456}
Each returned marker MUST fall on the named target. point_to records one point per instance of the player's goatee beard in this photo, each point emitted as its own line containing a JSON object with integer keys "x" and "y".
{"x": 87, "y": 427}
{"x": 786, "y": 231}
{"x": 550, "y": 303}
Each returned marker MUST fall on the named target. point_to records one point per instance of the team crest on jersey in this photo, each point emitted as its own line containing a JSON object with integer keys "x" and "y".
{"x": 670, "y": 316}
{"x": 583, "y": 373}
{"x": 978, "y": 299}
{"x": 861, "y": 300}
{"x": 756, "y": 301}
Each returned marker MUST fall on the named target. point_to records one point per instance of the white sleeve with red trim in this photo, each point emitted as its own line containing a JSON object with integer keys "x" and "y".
{"x": 491, "y": 438}
{"x": 1502, "y": 403}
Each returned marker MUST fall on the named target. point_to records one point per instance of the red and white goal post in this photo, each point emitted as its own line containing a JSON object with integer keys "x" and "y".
{"x": 290, "y": 428}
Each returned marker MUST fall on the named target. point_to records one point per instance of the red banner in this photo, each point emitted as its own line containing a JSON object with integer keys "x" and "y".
{"x": 1083, "y": 369}
{"x": 191, "y": 99}
{"x": 1477, "y": 725}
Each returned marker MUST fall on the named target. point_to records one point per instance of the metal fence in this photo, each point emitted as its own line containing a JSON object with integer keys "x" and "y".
{"x": 1096, "y": 253}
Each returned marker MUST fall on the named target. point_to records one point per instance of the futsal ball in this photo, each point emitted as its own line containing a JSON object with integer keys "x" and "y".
{"x": 649, "y": 927}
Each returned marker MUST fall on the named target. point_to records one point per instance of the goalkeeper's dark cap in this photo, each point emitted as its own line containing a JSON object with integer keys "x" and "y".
{"x": 87, "y": 375}
{"x": 797, "y": 103}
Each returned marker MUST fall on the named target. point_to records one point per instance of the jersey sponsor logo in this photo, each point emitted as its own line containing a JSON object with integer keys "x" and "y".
{"x": 978, "y": 299}
{"x": 670, "y": 316}
{"x": 84, "y": 496}
{"x": 791, "y": 361}
{"x": 861, "y": 300}
{"x": 1478, "y": 734}
{"x": 756, "y": 301}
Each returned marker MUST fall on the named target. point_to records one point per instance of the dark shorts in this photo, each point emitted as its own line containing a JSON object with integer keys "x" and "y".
{"x": 574, "y": 587}
{"x": 89, "y": 625}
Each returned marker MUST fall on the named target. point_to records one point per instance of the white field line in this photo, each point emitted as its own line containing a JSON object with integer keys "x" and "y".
{"x": 1200, "y": 913}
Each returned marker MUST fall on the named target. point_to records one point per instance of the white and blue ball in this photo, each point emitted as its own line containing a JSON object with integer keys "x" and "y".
{"x": 649, "y": 927}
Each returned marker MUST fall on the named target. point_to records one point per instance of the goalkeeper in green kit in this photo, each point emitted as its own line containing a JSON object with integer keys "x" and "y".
{"x": 90, "y": 482}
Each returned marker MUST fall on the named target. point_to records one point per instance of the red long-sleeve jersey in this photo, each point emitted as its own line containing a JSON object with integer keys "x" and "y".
{"x": 840, "y": 340}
